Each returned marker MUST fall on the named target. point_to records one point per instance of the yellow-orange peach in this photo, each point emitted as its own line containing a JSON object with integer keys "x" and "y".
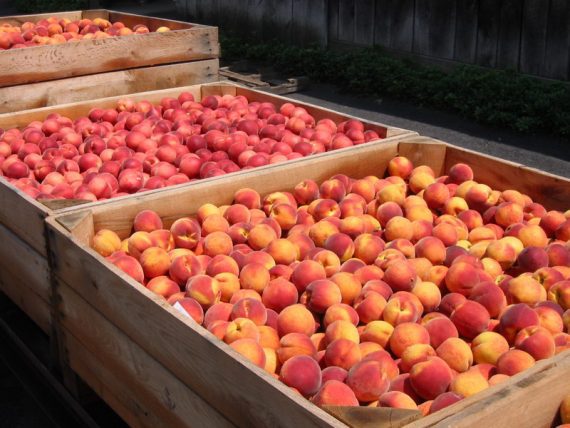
{"x": 377, "y": 332}
{"x": 163, "y": 286}
{"x": 397, "y": 400}
{"x": 254, "y": 276}
{"x": 414, "y": 354}
{"x": 342, "y": 329}
{"x": 402, "y": 307}
{"x": 293, "y": 344}
{"x": 204, "y": 289}
{"x": 155, "y": 262}
{"x": 279, "y": 294}
{"x": 398, "y": 227}
{"x": 468, "y": 383}
{"x": 407, "y": 334}
{"x": 295, "y": 319}
{"x": 456, "y": 353}
{"x": 429, "y": 295}
{"x": 147, "y": 221}
{"x": 241, "y": 328}
{"x": 106, "y": 242}
{"x": 251, "y": 350}
{"x": 329, "y": 261}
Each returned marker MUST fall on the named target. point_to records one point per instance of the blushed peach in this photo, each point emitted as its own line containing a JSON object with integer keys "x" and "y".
{"x": 368, "y": 380}
{"x": 241, "y": 328}
{"x": 342, "y": 353}
{"x": 341, "y": 329}
{"x": 147, "y": 221}
{"x": 515, "y": 318}
{"x": 334, "y": 393}
{"x": 430, "y": 378}
{"x": 106, "y": 242}
{"x": 397, "y": 400}
{"x": 220, "y": 311}
{"x": 293, "y": 344}
{"x": 514, "y": 361}
{"x": 340, "y": 311}
{"x": 470, "y": 318}
{"x": 414, "y": 354}
{"x": 295, "y": 319}
{"x": 407, "y": 334}
{"x": 537, "y": 341}
{"x": 468, "y": 383}
{"x": 251, "y": 350}
{"x": 370, "y": 306}
{"x": 444, "y": 400}
{"x": 184, "y": 267}
{"x": 279, "y": 294}
{"x": 456, "y": 353}
{"x": 254, "y": 276}
{"x": 302, "y": 373}
{"x": 204, "y": 289}
{"x": 440, "y": 329}
{"x": 163, "y": 286}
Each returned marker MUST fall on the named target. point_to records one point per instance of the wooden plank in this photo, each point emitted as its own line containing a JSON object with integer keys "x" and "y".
{"x": 20, "y": 19}
{"x": 466, "y": 31}
{"x": 364, "y": 22}
{"x": 227, "y": 381}
{"x": 550, "y": 190}
{"x": 333, "y": 10}
{"x": 24, "y": 217}
{"x": 425, "y": 151}
{"x": 488, "y": 32}
{"x": 233, "y": 16}
{"x": 383, "y": 17}
{"x": 42, "y": 94}
{"x": 276, "y": 19}
{"x": 508, "y": 49}
{"x": 541, "y": 388}
{"x": 556, "y": 55}
{"x": 421, "y": 27}
{"x": 442, "y": 29}
{"x": 50, "y": 62}
{"x": 163, "y": 399}
{"x": 309, "y": 22}
{"x": 346, "y": 21}
{"x": 208, "y": 12}
{"x": 403, "y": 26}
{"x": 152, "y": 22}
{"x": 533, "y": 38}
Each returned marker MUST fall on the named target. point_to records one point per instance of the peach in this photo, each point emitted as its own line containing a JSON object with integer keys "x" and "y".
{"x": 163, "y": 286}
{"x": 560, "y": 293}
{"x": 254, "y": 276}
{"x": 525, "y": 289}
{"x": 497, "y": 379}
{"x": 340, "y": 311}
{"x": 450, "y": 302}
{"x": 515, "y": 318}
{"x": 222, "y": 264}
{"x": 302, "y": 373}
{"x": 386, "y": 211}
{"x": 341, "y": 244}
{"x": 414, "y": 354}
{"x": 536, "y": 341}
{"x": 147, "y": 221}
{"x": 400, "y": 166}
{"x": 403, "y": 246}
{"x": 430, "y": 378}
{"x": 248, "y": 197}
{"x": 260, "y": 236}
{"x": 462, "y": 277}
{"x": 446, "y": 233}
{"x": 402, "y": 383}
{"x": 204, "y": 289}
{"x": 241, "y": 328}
{"x": 456, "y": 353}
{"x": 342, "y": 353}
{"x": 279, "y": 294}
{"x": 402, "y": 307}
{"x": 400, "y": 277}
{"x": 379, "y": 287}
{"x": 334, "y": 393}
{"x": 370, "y": 306}
{"x": 398, "y": 228}
{"x": 325, "y": 208}
{"x": 440, "y": 329}
{"x": 138, "y": 242}
{"x": 268, "y": 337}
{"x": 329, "y": 261}
{"x": 550, "y": 319}
{"x": 320, "y": 232}
{"x": 303, "y": 243}
{"x": 220, "y": 311}
{"x": 460, "y": 173}
{"x": 271, "y": 362}
{"x": 251, "y": 309}
{"x": 319, "y": 340}
{"x": 468, "y": 383}
{"x": 306, "y": 272}
{"x": 565, "y": 410}
{"x": 283, "y": 251}
{"x": 191, "y": 308}
{"x": 562, "y": 233}
{"x": 218, "y": 243}
{"x": 444, "y": 400}
{"x": 293, "y": 344}
{"x": 551, "y": 221}
{"x": 514, "y": 361}
{"x": 251, "y": 350}
{"x": 367, "y": 348}
{"x": 155, "y": 262}
{"x": 533, "y": 235}
{"x": 295, "y": 319}
{"x": 558, "y": 255}
{"x": 341, "y": 329}
{"x": 186, "y": 232}
{"x": 490, "y": 296}
{"x": 470, "y": 318}
{"x": 455, "y": 205}
{"x": 422, "y": 266}
{"x": 306, "y": 192}
{"x": 377, "y": 332}
{"x": 429, "y": 295}
{"x": 106, "y": 242}
{"x": 531, "y": 259}
{"x": 368, "y": 380}
{"x": 397, "y": 400}
{"x": 405, "y": 335}
{"x": 436, "y": 195}
{"x": 183, "y": 268}
{"x": 320, "y": 295}
{"x": 349, "y": 286}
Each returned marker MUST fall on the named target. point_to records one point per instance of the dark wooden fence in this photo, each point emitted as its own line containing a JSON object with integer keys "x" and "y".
{"x": 530, "y": 36}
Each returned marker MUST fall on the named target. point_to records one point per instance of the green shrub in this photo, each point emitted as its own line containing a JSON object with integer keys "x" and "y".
{"x": 493, "y": 97}
{"x": 42, "y": 6}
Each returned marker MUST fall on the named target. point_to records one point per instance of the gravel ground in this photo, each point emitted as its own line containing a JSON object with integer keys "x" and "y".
{"x": 542, "y": 152}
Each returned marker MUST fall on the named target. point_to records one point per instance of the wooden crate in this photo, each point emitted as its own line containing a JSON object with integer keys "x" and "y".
{"x": 186, "y": 42}
{"x": 82, "y": 88}
{"x": 100, "y": 307}
{"x": 22, "y": 218}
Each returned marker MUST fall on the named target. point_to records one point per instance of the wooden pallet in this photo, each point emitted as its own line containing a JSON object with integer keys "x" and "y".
{"x": 24, "y": 217}
{"x": 119, "y": 313}
{"x": 186, "y": 42}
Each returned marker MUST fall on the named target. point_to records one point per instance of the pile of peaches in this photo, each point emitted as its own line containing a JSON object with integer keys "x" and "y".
{"x": 410, "y": 291}
{"x": 53, "y": 31}
{"x": 139, "y": 146}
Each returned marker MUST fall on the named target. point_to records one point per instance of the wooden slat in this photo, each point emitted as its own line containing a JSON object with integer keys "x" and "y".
{"x": 333, "y": 8}
{"x": 309, "y": 22}
{"x": 162, "y": 399}
{"x": 508, "y": 49}
{"x": 487, "y": 33}
{"x": 153, "y": 23}
{"x": 276, "y": 19}
{"x": 20, "y": 19}
{"x": 556, "y": 55}
{"x": 207, "y": 11}
{"x": 42, "y": 94}
{"x": 185, "y": 43}
{"x": 403, "y": 26}
{"x": 539, "y": 390}
{"x": 206, "y": 365}
{"x": 434, "y": 28}
{"x": 233, "y": 16}
{"x": 533, "y": 38}
{"x": 425, "y": 151}
{"x": 364, "y": 22}
{"x": 466, "y": 30}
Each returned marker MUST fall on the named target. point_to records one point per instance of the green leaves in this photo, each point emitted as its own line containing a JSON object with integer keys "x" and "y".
{"x": 493, "y": 97}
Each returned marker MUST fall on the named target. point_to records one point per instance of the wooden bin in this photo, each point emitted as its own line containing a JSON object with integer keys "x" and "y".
{"x": 111, "y": 324}
{"x": 90, "y": 69}
{"x": 22, "y": 218}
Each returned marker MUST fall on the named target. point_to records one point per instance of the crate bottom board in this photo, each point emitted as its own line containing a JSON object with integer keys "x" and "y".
{"x": 82, "y": 88}
{"x": 149, "y": 393}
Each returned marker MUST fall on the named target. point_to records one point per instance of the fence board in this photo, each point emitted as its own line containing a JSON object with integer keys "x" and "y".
{"x": 233, "y": 16}
{"x": 421, "y": 27}
{"x": 346, "y": 21}
{"x": 333, "y": 19}
{"x": 466, "y": 30}
{"x": 533, "y": 40}
{"x": 309, "y": 22}
{"x": 364, "y": 22}
{"x": 557, "y": 41}
{"x": 442, "y": 28}
{"x": 402, "y": 37}
{"x": 487, "y": 32}
{"x": 277, "y": 17}
{"x": 508, "y": 49}
{"x": 207, "y": 12}
{"x": 383, "y": 17}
